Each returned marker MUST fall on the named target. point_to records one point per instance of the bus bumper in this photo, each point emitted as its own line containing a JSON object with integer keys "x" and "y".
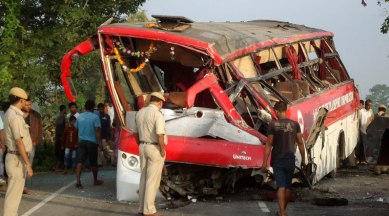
{"x": 127, "y": 177}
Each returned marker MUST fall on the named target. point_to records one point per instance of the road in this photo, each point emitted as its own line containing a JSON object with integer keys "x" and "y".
{"x": 55, "y": 194}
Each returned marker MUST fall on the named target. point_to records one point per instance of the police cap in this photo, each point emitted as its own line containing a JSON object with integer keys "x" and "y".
{"x": 382, "y": 106}
{"x": 18, "y": 92}
{"x": 158, "y": 95}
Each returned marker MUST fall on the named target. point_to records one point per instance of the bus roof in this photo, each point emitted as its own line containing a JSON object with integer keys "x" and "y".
{"x": 224, "y": 41}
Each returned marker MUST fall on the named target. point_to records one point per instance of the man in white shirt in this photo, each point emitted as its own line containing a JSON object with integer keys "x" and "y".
{"x": 365, "y": 116}
{"x": 111, "y": 111}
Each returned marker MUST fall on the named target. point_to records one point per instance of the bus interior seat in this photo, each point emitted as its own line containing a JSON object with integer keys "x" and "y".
{"x": 290, "y": 90}
{"x": 143, "y": 100}
{"x": 316, "y": 79}
{"x": 304, "y": 86}
{"x": 333, "y": 76}
{"x": 176, "y": 98}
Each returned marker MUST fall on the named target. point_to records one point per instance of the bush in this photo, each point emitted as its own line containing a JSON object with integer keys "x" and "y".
{"x": 44, "y": 157}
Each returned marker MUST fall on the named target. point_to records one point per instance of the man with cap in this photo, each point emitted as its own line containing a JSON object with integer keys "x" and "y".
{"x": 151, "y": 136}
{"x": 19, "y": 146}
{"x": 381, "y": 110}
{"x": 34, "y": 121}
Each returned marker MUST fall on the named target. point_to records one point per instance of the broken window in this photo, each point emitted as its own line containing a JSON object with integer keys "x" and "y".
{"x": 330, "y": 69}
{"x": 155, "y": 66}
{"x": 247, "y": 102}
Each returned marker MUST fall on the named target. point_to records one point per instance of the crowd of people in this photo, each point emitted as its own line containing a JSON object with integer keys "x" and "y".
{"x": 82, "y": 140}
{"x": 67, "y": 136}
{"x": 366, "y": 116}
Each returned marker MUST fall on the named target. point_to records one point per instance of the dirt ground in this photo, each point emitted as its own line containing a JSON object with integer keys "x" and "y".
{"x": 366, "y": 193}
{"x": 357, "y": 185}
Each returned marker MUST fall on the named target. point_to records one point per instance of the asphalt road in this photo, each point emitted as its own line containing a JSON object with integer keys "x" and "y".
{"x": 55, "y": 194}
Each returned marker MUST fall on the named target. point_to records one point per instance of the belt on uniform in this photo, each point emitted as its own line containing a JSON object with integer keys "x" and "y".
{"x": 150, "y": 143}
{"x": 14, "y": 152}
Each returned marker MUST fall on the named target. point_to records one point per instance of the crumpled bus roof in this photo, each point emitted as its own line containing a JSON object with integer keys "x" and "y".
{"x": 227, "y": 40}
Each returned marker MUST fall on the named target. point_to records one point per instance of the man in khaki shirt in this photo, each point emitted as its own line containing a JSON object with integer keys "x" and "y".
{"x": 150, "y": 134}
{"x": 19, "y": 145}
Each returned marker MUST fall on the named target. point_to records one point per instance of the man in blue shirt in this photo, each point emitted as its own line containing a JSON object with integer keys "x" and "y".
{"x": 89, "y": 128}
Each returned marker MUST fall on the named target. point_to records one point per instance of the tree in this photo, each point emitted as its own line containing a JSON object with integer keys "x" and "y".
{"x": 139, "y": 16}
{"x": 385, "y": 24}
{"x": 384, "y": 4}
{"x": 379, "y": 94}
{"x": 37, "y": 33}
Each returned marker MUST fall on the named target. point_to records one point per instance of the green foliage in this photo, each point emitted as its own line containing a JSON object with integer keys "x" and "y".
{"x": 379, "y": 94}
{"x": 385, "y": 24}
{"x": 37, "y": 33}
{"x": 139, "y": 16}
{"x": 44, "y": 157}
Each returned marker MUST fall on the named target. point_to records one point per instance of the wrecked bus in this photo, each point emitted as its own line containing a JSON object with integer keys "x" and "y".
{"x": 221, "y": 81}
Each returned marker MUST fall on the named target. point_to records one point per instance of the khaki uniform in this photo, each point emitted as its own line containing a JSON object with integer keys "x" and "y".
{"x": 149, "y": 123}
{"x": 15, "y": 128}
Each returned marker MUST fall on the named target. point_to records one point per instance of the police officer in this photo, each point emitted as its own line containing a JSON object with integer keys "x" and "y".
{"x": 19, "y": 145}
{"x": 381, "y": 110}
{"x": 150, "y": 133}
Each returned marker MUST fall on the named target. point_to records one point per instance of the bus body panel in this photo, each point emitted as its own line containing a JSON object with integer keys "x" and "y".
{"x": 340, "y": 101}
{"x": 209, "y": 41}
{"x": 202, "y": 151}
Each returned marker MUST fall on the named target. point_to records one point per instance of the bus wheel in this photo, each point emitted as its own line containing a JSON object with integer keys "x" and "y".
{"x": 332, "y": 174}
{"x": 351, "y": 161}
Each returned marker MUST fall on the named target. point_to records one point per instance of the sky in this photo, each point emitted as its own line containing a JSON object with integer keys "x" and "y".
{"x": 364, "y": 50}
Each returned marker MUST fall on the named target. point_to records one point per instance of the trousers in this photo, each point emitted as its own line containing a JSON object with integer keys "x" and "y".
{"x": 360, "y": 149}
{"x": 151, "y": 164}
{"x": 16, "y": 179}
{"x": 70, "y": 158}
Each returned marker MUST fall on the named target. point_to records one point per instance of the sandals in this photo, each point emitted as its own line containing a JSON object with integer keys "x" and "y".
{"x": 79, "y": 186}
{"x": 27, "y": 191}
{"x": 98, "y": 182}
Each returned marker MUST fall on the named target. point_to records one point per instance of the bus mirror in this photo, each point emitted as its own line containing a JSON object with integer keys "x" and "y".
{"x": 72, "y": 88}
{"x": 75, "y": 57}
{"x": 81, "y": 49}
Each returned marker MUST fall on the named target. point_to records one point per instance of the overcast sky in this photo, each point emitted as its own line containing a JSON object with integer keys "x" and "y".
{"x": 363, "y": 49}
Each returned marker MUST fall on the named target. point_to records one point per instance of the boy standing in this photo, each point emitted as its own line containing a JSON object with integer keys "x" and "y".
{"x": 70, "y": 141}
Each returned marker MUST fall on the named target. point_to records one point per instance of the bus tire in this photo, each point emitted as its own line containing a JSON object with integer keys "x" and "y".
{"x": 351, "y": 160}
{"x": 333, "y": 173}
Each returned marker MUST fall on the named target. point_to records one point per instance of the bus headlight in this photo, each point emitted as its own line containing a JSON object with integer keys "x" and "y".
{"x": 133, "y": 161}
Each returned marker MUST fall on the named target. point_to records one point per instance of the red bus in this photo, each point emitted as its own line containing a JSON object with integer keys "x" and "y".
{"x": 221, "y": 81}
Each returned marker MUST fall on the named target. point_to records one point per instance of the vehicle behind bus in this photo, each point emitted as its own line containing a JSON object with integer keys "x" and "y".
{"x": 221, "y": 81}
